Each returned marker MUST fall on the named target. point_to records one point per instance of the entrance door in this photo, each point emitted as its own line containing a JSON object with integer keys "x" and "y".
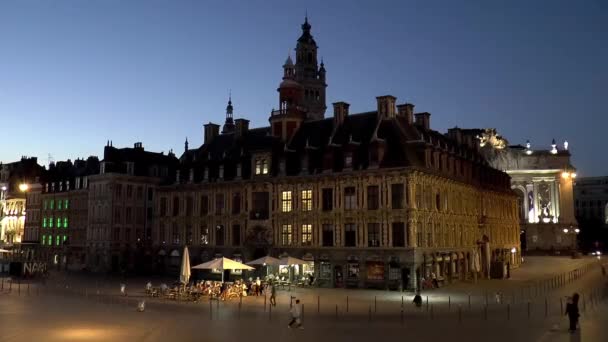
{"x": 405, "y": 278}
{"x": 338, "y": 277}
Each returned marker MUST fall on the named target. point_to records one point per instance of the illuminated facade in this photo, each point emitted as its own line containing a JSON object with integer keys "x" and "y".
{"x": 375, "y": 199}
{"x": 543, "y": 180}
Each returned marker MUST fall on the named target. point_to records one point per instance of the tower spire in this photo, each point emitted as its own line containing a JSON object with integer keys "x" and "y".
{"x": 186, "y": 145}
{"x": 229, "y": 123}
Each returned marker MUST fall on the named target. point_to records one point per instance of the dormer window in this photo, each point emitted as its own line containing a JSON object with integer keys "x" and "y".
{"x": 130, "y": 168}
{"x": 261, "y": 166}
{"x": 348, "y": 160}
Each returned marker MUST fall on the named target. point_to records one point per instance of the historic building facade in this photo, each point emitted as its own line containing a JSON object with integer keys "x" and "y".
{"x": 61, "y": 227}
{"x": 120, "y": 207}
{"x": 375, "y": 199}
{"x": 543, "y": 180}
{"x": 591, "y": 202}
{"x": 16, "y": 179}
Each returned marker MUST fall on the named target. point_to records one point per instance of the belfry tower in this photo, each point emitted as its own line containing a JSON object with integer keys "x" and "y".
{"x": 310, "y": 74}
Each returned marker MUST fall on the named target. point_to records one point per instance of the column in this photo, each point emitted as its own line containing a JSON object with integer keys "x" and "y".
{"x": 536, "y": 203}
{"x": 554, "y": 203}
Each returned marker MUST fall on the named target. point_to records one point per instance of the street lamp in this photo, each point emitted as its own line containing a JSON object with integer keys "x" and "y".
{"x": 565, "y": 230}
{"x": 23, "y": 187}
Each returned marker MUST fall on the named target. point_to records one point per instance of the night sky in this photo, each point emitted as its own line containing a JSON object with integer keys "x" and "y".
{"x": 74, "y": 74}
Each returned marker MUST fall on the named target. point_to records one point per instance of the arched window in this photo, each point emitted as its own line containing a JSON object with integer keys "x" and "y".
{"x": 521, "y": 208}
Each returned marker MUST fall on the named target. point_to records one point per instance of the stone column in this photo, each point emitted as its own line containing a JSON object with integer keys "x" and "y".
{"x": 537, "y": 211}
{"x": 554, "y": 203}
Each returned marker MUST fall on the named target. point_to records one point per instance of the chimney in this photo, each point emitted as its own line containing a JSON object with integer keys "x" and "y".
{"x": 455, "y": 134}
{"x": 406, "y": 110}
{"x": 211, "y": 131}
{"x": 242, "y": 126}
{"x": 423, "y": 120}
{"x": 138, "y": 146}
{"x": 386, "y": 106}
{"x": 340, "y": 112}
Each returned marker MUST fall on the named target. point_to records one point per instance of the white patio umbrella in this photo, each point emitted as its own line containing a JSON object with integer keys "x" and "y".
{"x": 291, "y": 261}
{"x": 184, "y": 274}
{"x": 222, "y": 264}
{"x": 265, "y": 261}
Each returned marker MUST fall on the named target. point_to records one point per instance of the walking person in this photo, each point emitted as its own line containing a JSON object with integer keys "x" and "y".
{"x": 572, "y": 312}
{"x": 123, "y": 289}
{"x": 417, "y": 300}
{"x": 434, "y": 280}
{"x": 273, "y": 294}
{"x": 296, "y": 315}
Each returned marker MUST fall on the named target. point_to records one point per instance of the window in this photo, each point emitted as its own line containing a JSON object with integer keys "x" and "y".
{"x": 306, "y": 200}
{"x": 220, "y": 235}
{"x": 118, "y": 190}
{"x": 286, "y": 203}
{"x": 189, "y": 206}
{"x": 45, "y": 204}
{"x": 140, "y": 192}
{"x": 219, "y": 204}
{"x": 59, "y": 205}
{"x": 236, "y": 203}
{"x": 204, "y": 205}
{"x": 236, "y": 235}
{"x": 44, "y": 222}
{"x": 348, "y": 160}
{"x": 286, "y": 235}
{"x": 260, "y": 206}
{"x": 328, "y": 235}
{"x": 328, "y": 199}
{"x": 51, "y": 222}
{"x": 188, "y": 234}
{"x": 261, "y": 166}
{"x": 52, "y": 204}
{"x": 57, "y": 240}
{"x": 204, "y": 235}
{"x": 397, "y": 197}
{"x": 65, "y": 204}
{"x": 373, "y": 234}
{"x": 175, "y": 206}
{"x": 43, "y": 240}
{"x": 128, "y": 215}
{"x": 350, "y": 235}
{"x": 350, "y": 198}
{"x": 175, "y": 234}
{"x": 116, "y": 214}
{"x": 398, "y": 234}
{"x": 306, "y": 234}
{"x": 163, "y": 206}
{"x": 116, "y": 234}
{"x": 373, "y": 201}
{"x": 150, "y": 194}
{"x": 65, "y": 222}
{"x": 59, "y": 222}
{"x": 437, "y": 201}
{"x": 129, "y": 191}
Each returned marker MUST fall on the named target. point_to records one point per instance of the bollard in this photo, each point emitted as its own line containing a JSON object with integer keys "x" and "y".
{"x": 469, "y": 301}
{"x": 346, "y": 303}
{"x": 370, "y": 314}
{"x": 459, "y": 313}
{"x": 28, "y": 288}
{"x": 561, "y": 305}
{"x": 427, "y": 303}
{"x": 449, "y": 303}
{"x": 401, "y": 303}
{"x": 584, "y": 303}
{"x": 336, "y": 311}
{"x": 19, "y": 286}
{"x": 528, "y": 309}
{"x": 546, "y": 307}
{"x": 401, "y": 314}
{"x": 318, "y": 304}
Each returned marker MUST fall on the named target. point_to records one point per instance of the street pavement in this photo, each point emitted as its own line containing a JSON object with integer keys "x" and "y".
{"x": 53, "y": 313}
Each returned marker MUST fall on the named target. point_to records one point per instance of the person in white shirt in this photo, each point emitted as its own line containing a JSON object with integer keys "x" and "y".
{"x": 296, "y": 315}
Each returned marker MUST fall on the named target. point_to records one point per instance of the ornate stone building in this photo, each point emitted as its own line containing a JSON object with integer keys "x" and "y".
{"x": 543, "y": 180}
{"x": 375, "y": 199}
{"x": 16, "y": 179}
{"x": 120, "y": 207}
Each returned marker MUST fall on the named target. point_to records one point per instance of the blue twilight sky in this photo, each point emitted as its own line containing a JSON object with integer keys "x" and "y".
{"x": 75, "y": 73}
